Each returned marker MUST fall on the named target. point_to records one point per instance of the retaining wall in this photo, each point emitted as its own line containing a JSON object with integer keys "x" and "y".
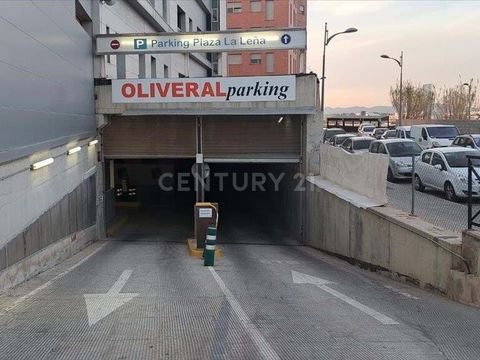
{"x": 382, "y": 238}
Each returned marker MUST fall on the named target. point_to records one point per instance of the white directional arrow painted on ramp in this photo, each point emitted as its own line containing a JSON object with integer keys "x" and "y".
{"x": 102, "y": 305}
{"x": 301, "y": 278}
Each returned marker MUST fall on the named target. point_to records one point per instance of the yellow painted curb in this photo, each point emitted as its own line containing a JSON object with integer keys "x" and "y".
{"x": 193, "y": 251}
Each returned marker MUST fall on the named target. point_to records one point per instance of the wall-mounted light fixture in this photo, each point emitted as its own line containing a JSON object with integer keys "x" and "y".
{"x": 280, "y": 120}
{"x": 41, "y": 164}
{"x": 74, "y": 150}
{"x": 93, "y": 142}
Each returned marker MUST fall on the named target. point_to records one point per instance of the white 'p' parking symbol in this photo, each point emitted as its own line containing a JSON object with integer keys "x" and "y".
{"x": 285, "y": 39}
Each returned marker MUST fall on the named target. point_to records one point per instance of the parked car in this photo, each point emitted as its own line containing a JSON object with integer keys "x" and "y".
{"x": 365, "y": 130}
{"x": 403, "y": 132}
{"x": 357, "y": 144}
{"x": 432, "y": 136}
{"x": 400, "y": 153}
{"x": 378, "y": 132}
{"x": 469, "y": 141}
{"x": 337, "y": 140}
{"x": 329, "y": 132}
{"x": 389, "y": 134}
{"x": 445, "y": 169}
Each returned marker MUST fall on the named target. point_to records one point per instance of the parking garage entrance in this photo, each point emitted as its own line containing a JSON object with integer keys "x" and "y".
{"x": 161, "y": 156}
{"x": 251, "y": 166}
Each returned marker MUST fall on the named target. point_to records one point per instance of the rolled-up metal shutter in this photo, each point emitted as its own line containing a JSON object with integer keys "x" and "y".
{"x": 150, "y": 137}
{"x": 251, "y": 138}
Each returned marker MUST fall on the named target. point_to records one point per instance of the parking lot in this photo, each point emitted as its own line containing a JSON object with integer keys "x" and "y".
{"x": 443, "y": 167}
{"x": 430, "y": 206}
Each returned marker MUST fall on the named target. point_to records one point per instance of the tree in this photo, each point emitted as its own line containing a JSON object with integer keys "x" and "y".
{"x": 418, "y": 101}
{"x": 456, "y": 103}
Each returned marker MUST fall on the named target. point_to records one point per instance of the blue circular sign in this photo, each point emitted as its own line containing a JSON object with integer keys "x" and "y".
{"x": 285, "y": 39}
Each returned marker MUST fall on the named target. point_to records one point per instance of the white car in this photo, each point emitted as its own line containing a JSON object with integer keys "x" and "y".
{"x": 337, "y": 140}
{"x": 366, "y": 130}
{"x": 433, "y": 136}
{"x": 445, "y": 169}
{"x": 357, "y": 144}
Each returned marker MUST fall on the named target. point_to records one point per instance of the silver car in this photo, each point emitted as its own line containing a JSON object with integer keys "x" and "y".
{"x": 337, "y": 140}
{"x": 400, "y": 153}
{"x": 357, "y": 144}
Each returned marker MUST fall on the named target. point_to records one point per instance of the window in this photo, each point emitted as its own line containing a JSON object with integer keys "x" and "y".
{"x": 404, "y": 149}
{"x": 234, "y": 59}
{"x": 269, "y": 10}
{"x": 153, "y": 67}
{"x": 109, "y": 58}
{"x": 374, "y": 147}
{"x": 165, "y": 71}
{"x": 164, "y": 8}
{"x": 180, "y": 75}
{"x": 256, "y": 59}
{"x": 269, "y": 60}
{"x": 347, "y": 144}
{"x": 181, "y": 19}
{"x": 214, "y": 15}
{"x": 437, "y": 160}
{"x": 190, "y": 25}
{"x": 234, "y": 7}
{"x": 83, "y": 18}
{"x": 255, "y": 6}
{"x": 424, "y": 134}
{"x": 442, "y": 132}
{"x": 426, "y": 157}
{"x": 198, "y": 29}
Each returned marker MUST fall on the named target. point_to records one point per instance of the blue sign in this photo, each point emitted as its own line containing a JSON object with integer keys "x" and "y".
{"x": 285, "y": 39}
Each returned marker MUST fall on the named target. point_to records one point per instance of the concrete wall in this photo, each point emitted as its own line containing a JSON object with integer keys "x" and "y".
{"x": 25, "y": 194}
{"x": 46, "y": 89}
{"x": 74, "y": 212}
{"x": 365, "y": 174}
{"x": 464, "y": 286}
{"x": 382, "y": 237}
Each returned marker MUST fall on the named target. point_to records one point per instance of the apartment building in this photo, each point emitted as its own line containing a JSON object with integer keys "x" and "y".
{"x": 258, "y": 14}
{"x": 145, "y": 16}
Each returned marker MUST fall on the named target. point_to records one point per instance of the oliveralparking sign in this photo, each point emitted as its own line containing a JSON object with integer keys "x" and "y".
{"x": 237, "y": 40}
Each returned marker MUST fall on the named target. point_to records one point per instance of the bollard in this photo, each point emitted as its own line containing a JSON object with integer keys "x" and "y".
{"x": 209, "y": 253}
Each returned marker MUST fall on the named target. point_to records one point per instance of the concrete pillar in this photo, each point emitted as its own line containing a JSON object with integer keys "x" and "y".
{"x": 313, "y": 137}
{"x": 141, "y": 66}
{"x": 98, "y": 60}
{"x": 121, "y": 66}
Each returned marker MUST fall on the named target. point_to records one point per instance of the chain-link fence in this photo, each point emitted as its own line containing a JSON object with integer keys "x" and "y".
{"x": 435, "y": 188}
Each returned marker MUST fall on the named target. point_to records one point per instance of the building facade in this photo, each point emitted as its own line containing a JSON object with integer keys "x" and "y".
{"x": 257, "y": 14}
{"x": 51, "y": 180}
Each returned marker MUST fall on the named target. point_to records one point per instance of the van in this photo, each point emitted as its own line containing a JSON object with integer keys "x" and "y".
{"x": 432, "y": 136}
{"x": 402, "y": 132}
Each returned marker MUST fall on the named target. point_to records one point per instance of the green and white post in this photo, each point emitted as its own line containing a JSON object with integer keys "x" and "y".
{"x": 210, "y": 245}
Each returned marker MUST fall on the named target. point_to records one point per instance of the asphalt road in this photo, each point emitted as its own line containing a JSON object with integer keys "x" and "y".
{"x": 430, "y": 206}
{"x": 150, "y": 300}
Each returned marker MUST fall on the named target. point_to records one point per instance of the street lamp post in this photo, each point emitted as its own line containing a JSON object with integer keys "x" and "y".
{"x": 326, "y": 40}
{"x": 469, "y": 98}
{"x": 400, "y": 63}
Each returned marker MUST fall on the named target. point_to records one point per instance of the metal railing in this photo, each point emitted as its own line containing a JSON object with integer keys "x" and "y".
{"x": 472, "y": 171}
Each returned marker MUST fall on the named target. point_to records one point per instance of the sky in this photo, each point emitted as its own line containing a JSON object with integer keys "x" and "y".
{"x": 440, "y": 41}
